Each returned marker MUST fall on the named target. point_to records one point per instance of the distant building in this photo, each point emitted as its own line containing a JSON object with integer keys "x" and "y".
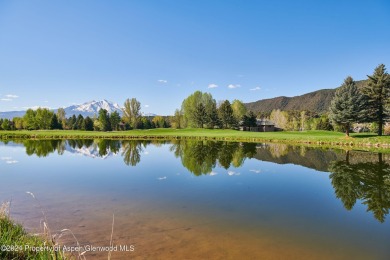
{"x": 263, "y": 125}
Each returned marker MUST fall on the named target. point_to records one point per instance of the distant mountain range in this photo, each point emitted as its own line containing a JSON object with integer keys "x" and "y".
{"x": 86, "y": 109}
{"x": 317, "y": 101}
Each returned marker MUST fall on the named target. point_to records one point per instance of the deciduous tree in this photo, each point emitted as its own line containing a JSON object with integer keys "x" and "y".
{"x": 104, "y": 120}
{"x": 239, "y": 109}
{"x": 61, "y": 115}
{"x": 132, "y": 112}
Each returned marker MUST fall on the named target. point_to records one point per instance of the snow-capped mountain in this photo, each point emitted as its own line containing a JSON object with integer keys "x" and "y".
{"x": 91, "y": 151}
{"x": 92, "y": 108}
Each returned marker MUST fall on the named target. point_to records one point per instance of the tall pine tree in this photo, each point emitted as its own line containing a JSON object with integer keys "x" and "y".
{"x": 200, "y": 115}
{"x": 347, "y": 105}
{"x": 378, "y": 93}
{"x": 226, "y": 116}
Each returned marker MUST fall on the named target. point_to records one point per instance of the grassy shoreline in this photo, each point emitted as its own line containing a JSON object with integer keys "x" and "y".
{"x": 325, "y": 138}
{"x": 17, "y": 243}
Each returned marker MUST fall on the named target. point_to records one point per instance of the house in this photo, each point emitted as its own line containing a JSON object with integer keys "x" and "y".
{"x": 262, "y": 125}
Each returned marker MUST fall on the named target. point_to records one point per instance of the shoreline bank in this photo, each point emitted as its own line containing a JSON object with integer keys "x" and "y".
{"x": 311, "y": 138}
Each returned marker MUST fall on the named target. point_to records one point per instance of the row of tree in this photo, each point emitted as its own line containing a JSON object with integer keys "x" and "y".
{"x": 370, "y": 104}
{"x": 300, "y": 120}
{"x": 45, "y": 119}
{"x": 200, "y": 110}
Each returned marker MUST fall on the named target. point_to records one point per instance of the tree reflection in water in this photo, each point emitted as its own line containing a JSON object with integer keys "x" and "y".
{"x": 200, "y": 157}
{"x": 365, "y": 181}
{"x": 354, "y": 175}
{"x": 131, "y": 152}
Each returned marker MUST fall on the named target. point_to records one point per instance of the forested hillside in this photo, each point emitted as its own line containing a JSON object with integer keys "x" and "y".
{"x": 317, "y": 101}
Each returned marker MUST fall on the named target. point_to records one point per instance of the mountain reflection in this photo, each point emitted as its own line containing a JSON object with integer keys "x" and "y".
{"x": 366, "y": 181}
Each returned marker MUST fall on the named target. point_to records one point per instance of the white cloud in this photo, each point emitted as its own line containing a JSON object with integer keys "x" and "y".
{"x": 255, "y": 171}
{"x": 146, "y": 106}
{"x": 11, "y": 96}
{"x": 36, "y": 107}
{"x": 163, "y": 81}
{"x": 254, "y": 89}
{"x": 232, "y": 86}
{"x": 46, "y": 101}
{"x": 231, "y": 173}
{"x": 11, "y": 162}
{"x": 6, "y": 99}
{"x": 213, "y": 173}
{"x": 162, "y": 178}
{"x": 212, "y": 85}
{"x": 146, "y": 152}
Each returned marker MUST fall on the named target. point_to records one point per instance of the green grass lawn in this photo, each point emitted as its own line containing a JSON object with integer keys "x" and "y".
{"x": 310, "y": 137}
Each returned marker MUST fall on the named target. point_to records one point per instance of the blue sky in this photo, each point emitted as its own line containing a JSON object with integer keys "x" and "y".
{"x": 57, "y": 53}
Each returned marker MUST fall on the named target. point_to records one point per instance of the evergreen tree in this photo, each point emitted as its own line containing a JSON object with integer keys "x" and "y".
{"x": 79, "y": 122}
{"x": 200, "y": 115}
{"x": 140, "y": 124}
{"x": 249, "y": 119}
{"x": 378, "y": 93}
{"x": 71, "y": 122}
{"x": 87, "y": 124}
{"x": 225, "y": 113}
{"x": 54, "y": 124}
{"x": 347, "y": 105}
{"x": 115, "y": 120}
{"x": 146, "y": 124}
{"x": 212, "y": 119}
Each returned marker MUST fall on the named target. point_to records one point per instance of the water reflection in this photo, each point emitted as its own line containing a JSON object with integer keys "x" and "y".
{"x": 43, "y": 148}
{"x": 365, "y": 181}
{"x": 132, "y": 151}
{"x": 355, "y": 175}
{"x": 200, "y": 157}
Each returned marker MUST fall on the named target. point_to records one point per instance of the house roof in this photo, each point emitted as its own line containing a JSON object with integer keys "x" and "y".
{"x": 264, "y": 122}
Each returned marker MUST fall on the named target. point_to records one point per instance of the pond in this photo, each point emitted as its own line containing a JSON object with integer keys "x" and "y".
{"x": 202, "y": 199}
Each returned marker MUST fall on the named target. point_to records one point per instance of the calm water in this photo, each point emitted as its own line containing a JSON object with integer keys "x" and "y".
{"x": 203, "y": 200}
